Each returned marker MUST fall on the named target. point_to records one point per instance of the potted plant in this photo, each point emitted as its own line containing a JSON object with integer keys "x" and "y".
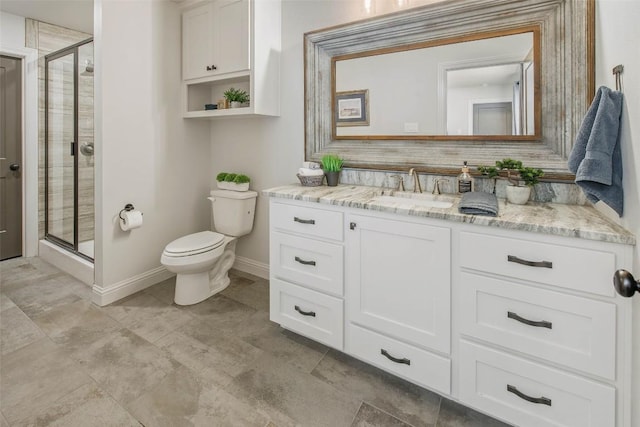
{"x": 236, "y": 97}
{"x": 332, "y": 165}
{"x": 232, "y": 181}
{"x": 516, "y": 172}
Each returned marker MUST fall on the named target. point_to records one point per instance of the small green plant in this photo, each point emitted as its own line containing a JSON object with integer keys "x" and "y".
{"x": 241, "y": 179}
{"x": 515, "y": 172}
{"x": 221, "y": 176}
{"x": 332, "y": 163}
{"x": 530, "y": 175}
{"x": 230, "y": 177}
{"x": 236, "y": 95}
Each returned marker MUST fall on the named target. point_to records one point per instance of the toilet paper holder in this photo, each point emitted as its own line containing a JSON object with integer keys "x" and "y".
{"x": 128, "y": 207}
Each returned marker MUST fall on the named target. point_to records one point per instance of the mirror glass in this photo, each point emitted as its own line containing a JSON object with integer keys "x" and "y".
{"x": 477, "y": 87}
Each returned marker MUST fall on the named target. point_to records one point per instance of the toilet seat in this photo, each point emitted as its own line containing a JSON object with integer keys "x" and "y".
{"x": 194, "y": 244}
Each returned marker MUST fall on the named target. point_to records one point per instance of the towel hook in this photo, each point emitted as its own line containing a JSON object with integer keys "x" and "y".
{"x": 617, "y": 71}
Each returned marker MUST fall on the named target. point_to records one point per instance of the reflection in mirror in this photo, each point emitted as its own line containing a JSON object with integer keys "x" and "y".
{"x": 479, "y": 87}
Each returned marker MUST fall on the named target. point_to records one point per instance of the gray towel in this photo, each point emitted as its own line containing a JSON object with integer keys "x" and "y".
{"x": 596, "y": 158}
{"x": 478, "y": 203}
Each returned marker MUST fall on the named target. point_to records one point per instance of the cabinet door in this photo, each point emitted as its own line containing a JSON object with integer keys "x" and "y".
{"x": 398, "y": 279}
{"x": 197, "y": 42}
{"x": 231, "y": 35}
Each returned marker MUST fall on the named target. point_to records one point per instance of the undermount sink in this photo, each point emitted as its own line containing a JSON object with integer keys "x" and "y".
{"x": 415, "y": 199}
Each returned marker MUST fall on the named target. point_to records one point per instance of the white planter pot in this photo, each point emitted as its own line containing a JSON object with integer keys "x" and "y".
{"x": 518, "y": 195}
{"x": 223, "y": 185}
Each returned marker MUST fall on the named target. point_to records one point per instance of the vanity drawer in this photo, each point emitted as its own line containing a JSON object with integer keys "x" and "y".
{"x": 308, "y": 262}
{"x": 529, "y": 394}
{"x": 583, "y": 270}
{"x": 577, "y": 332}
{"x": 306, "y": 220}
{"x": 417, "y": 365}
{"x": 309, "y": 313}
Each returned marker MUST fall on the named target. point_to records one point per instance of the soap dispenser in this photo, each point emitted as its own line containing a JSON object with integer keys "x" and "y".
{"x": 465, "y": 180}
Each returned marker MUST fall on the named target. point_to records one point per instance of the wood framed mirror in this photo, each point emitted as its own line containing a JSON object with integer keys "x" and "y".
{"x": 431, "y": 132}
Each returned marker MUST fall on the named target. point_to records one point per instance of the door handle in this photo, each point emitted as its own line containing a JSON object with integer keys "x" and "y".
{"x": 625, "y": 284}
{"x": 14, "y": 167}
{"x": 72, "y": 146}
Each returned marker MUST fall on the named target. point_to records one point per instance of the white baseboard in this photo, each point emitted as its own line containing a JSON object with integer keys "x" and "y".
{"x": 250, "y": 266}
{"x": 117, "y": 291}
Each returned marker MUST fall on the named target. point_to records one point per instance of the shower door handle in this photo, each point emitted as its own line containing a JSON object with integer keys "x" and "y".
{"x": 72, "y": 145}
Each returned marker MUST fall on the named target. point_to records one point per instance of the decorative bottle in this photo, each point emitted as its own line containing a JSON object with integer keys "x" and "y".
{"x": 465, "y": 180}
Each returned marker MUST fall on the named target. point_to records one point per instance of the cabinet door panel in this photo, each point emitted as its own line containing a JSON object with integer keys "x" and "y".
{"x": 497, "y": 311}
{"x": 416, "y": 365}
{"x": 531, "y": 395}
{"x": 308, "y": 262}
{"x": 584, "y": 270}
{"x": 231, "y": 34}
{"x": 307, "y": 312}
{"x": 197, "y": 41}
{"x": 306, "y": 220}
{"x": 398, "y": 280}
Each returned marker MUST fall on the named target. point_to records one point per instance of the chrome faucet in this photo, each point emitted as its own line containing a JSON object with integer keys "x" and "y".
{"x": 400, "y": 182}
{"x": 436, "y": 186}
{"x": 416, "y": 181}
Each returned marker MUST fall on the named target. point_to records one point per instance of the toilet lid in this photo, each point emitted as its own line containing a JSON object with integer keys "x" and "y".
{"x": 193, "y": 244}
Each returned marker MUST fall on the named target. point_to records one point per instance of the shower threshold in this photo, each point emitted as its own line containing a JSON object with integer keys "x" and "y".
{"x": 66, "y": 261}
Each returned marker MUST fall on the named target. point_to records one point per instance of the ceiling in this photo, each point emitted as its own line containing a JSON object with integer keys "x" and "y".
{"x": 73, "y": 14}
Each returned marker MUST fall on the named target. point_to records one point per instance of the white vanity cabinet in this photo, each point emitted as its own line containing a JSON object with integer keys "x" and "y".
{"x": 231, "y": 43}
{"x": 215, "y": 38}
{"x": 543, "y": 338}
{"x": 523, "y": 326}
{"x": 398, "y": 297}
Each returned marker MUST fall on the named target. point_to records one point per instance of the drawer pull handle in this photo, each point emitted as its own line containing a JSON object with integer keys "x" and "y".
{"x": 521, "y": 395}
{"x": 394, "y": 359}
{"x": 301, "y": 261}
{"x": 304, "y": 221}
{"x": 305, "y": 313}
{"x": 537, "y": 323}
{"x": 544, "y": 264}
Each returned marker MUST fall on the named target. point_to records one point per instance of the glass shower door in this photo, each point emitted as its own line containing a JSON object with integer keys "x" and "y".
{"x": 61, "y": 150}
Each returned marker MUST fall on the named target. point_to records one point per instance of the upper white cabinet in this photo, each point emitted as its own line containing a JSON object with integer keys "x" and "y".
{"x": 231, "y": 43}
{"x": 215, "y": 39}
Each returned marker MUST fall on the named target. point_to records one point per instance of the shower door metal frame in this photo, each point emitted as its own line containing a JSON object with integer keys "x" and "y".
{"x": 73, "y": 247}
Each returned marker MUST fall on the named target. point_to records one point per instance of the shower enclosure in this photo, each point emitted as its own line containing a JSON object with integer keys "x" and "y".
{"x": 68, "y": 150}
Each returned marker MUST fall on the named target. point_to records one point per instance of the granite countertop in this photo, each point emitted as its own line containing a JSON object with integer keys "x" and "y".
{"x": 550, "y": 218}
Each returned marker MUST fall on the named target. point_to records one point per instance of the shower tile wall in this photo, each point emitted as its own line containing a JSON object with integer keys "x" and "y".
{"x": 47, "y": 38}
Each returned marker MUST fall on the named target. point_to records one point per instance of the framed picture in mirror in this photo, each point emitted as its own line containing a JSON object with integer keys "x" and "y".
{"x": 352, "y": 108}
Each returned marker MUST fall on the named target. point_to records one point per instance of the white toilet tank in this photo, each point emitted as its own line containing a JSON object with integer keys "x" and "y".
{"x": 233, "y": 211}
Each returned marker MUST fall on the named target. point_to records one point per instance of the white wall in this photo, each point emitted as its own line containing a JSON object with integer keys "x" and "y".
{"x": 617, "y": 36}
{"x": 146, "y": 154}
{"x": 11, "y": 30}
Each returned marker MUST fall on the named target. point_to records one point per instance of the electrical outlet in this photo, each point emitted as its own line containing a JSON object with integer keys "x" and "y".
{"x": 411, "y": 127}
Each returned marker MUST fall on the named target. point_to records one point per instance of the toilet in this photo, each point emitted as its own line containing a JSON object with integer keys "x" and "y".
{"x": 202, "y": 260}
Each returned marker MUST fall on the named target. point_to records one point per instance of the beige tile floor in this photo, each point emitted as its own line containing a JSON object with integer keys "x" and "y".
{"x": 144, "y": 361}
